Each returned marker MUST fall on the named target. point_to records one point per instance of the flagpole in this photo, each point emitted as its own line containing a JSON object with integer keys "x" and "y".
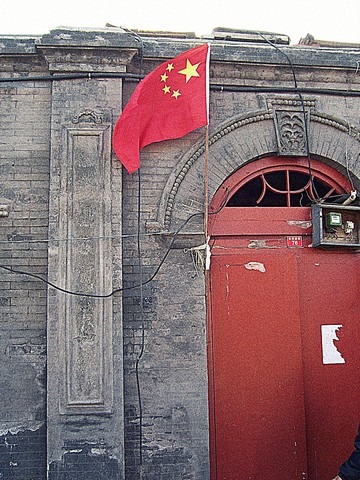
{"x": 206, "y": 183}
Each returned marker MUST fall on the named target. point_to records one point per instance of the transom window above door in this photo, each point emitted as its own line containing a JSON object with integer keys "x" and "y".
{"x": 284, "y": 186}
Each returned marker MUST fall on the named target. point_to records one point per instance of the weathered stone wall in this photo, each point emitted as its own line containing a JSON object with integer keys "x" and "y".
{"x": 24, "y": 179}
{"x": 117, "y": 387}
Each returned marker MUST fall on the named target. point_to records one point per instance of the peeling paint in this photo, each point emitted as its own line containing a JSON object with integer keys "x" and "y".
{"x": 305, "y": 224}
{"x": 255, "y": 266}
{"x": 331, "y": 354}
{"x": 257, "y": 244}
{"x": 23, "y": 453}
{"x": 90, "y": 460}
{"x": 14, "y": 429}
{"x": 227, "y": 293}
{"x": 98, "y": 451}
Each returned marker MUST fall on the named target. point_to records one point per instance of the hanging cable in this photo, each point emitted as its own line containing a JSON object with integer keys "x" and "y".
{"x": 120, "y": 289}
{"x": 141, "y": 292}
{"x": 303, "y": 112}
{"x": 138, "y": 37}
{"x": 20, "y": 240}
{"x": 142, "y": 343}
{"x": 116, "y": 290}
{"x": 347, "y": 158}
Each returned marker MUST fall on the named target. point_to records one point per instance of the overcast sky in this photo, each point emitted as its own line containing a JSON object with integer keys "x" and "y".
{"x": 324, "y": 19}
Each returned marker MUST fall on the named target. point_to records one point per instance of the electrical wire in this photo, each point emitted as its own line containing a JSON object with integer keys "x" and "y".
{"x": 142, "y": 344}
{"x": 82, "y": 239}
{"x": 126, "y": 76}
{"x": 317, "y": 197}
{"x": 223, "y": 204}
{"x": 138, "y": 37}
{"x": 116, "y": 290}
{"x": 347, "y": 158}
{"x": 141, "y": 285}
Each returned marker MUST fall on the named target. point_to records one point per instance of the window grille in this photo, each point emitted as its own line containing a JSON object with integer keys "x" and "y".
{"x": 284, "y": 187}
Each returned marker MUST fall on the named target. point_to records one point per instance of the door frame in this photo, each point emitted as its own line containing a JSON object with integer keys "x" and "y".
{"x": 245, "y": 223}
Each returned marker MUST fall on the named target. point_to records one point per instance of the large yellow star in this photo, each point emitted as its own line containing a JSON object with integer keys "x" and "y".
{"x": 190, "y": 70}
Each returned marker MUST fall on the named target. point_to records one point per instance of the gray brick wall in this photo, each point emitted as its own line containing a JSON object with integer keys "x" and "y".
{"x": 24, "y": 180}
{"x": 157, "y": 427}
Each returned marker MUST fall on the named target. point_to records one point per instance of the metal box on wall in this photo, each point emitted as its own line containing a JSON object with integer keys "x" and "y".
{"x": 335, "y": 225}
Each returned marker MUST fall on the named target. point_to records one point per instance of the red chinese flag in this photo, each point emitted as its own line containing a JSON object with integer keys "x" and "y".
{"x": 168, "y": 103}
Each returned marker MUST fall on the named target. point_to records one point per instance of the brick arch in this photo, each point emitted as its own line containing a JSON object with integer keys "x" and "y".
{"x": 244, "y": 139}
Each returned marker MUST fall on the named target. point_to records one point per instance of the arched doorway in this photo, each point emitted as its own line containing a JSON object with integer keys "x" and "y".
{"x": 283, "y": 327}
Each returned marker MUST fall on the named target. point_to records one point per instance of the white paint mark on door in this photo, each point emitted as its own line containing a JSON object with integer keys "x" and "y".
{"x": 255, "y": 266}
{"x": 331, "y": 354}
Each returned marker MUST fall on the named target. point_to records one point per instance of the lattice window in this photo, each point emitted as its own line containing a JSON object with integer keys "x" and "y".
{"x": 284, "y": 187}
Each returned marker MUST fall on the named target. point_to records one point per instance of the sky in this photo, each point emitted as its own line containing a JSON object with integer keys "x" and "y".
{"x": 324, "y": 19}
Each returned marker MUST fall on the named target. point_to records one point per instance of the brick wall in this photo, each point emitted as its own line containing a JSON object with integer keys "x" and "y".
{"x": 155, "y": 425}
{"x": 24, "y": 178}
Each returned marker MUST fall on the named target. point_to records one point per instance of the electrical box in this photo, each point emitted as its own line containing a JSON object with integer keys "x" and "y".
{"x": 335, "y": 225}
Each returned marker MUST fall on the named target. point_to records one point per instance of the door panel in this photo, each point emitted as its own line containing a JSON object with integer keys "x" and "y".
{"x": 257, "y": 367}
{"x": 277, "y": 409}
{"x": 329, "y": 296}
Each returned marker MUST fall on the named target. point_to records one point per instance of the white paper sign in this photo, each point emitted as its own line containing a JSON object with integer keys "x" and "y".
{"x": 331, "y": 354}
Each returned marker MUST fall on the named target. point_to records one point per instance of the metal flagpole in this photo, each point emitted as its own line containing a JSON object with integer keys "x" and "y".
{"x": 206, "y": 183}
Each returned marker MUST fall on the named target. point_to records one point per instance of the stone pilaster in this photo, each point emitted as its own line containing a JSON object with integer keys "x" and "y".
{"x": 85, "y": 358}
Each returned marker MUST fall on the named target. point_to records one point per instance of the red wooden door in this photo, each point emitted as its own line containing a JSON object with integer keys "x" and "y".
{"x": 330, "y": 314}
{"x": 284, "y": 391}
{"x": 257, "y": 366}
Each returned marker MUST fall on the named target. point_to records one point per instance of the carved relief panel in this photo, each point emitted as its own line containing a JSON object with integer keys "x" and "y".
{"x": 82, "y": 263}
{"x": 86, "y": 215}
{"x": 291, "y": 119}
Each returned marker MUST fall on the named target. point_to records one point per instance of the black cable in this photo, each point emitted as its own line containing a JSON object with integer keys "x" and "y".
{"x": 142, "y": 344}
{"x": 223, "y": 204}
{"x": 138, "y": 37}
{"x": 262, "y": 89}
{"x": 116, "y": 290}
{"x": 141, "y": 285}
{"x": 64, "y": 290}
{"x": 120, "y": 289}
{"x": 71, "y": 76}
{"x": 213, "y": 87}
{"x": 303, "y": 112}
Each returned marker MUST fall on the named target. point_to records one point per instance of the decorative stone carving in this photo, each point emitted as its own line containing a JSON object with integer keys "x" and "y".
{"x": 85, "y": 400}
{"x": 291, "y": 118}
{"x": 281, "y": 105}
{"x": 87, "y": 116}
{"x": 87, "y": 370}
{"x": 290, "y": 132}
{"x": 85, "y": 322}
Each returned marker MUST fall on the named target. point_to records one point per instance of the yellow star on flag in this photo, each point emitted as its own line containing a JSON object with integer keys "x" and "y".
{"x": 152, "y": 116}
{"x": 190, "y": 70}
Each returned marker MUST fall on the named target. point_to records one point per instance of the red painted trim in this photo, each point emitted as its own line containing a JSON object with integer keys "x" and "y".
{"x": 261, "y": 221}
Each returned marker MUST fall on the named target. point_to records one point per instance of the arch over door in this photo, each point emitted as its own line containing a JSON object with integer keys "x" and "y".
{"x": 276, "y": 309}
